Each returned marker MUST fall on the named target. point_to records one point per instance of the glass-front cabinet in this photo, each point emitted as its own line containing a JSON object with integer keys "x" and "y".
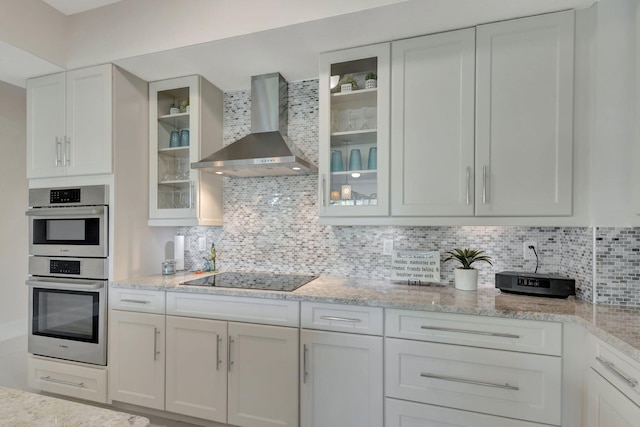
{"x": 185, "y": 122}
{"x": 354, "y": 132}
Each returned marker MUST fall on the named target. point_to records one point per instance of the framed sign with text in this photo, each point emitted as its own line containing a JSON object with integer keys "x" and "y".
{"x": 415, "y": 265}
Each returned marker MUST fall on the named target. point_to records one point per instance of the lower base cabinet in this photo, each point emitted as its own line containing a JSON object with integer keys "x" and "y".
{"x": 606, "y": 406}
{"x": 196, "y": 368}
{"x": 229, "y": 372}
{"x": 341, "y": 380}
{"x": 136, "y": 358}
{"x": 400, "y": 413}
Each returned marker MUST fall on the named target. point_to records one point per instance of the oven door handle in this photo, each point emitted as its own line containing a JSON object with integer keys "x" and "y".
{"x": 65, "y": 285}
{"x": 94, "y": 210}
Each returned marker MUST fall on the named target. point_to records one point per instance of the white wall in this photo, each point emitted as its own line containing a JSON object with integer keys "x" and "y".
{"x": 134, "y": 27}
{"x": 35, "y": 27}
{"x": 13, "y": 222}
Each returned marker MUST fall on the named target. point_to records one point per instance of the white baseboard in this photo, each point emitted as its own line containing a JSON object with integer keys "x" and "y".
{"x": 13, "y": 329}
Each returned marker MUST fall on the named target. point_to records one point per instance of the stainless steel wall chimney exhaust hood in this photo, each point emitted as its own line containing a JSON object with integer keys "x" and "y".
{"x": 265, "y": 151}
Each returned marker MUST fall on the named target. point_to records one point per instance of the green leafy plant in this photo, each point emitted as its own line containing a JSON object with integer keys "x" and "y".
{"x": 348, "y": 78}
{"x": 467, "y": 257}
{"x": 371, "y": 76}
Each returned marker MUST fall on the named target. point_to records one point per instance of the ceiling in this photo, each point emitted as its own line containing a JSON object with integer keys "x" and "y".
{"x": 71, "y": 7}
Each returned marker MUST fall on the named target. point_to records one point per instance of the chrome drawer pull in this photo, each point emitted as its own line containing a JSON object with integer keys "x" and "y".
{"x": 53, "y": 380}
{"x": 135, "y": 301}
{"x": 462, "y": 380}
{"x": 468, "y": 331}
{"x": 156, "y": 352}
{"x": 218, "y": 361}
{"x": 341, "y": 319}
{"x": 611, "y": 367}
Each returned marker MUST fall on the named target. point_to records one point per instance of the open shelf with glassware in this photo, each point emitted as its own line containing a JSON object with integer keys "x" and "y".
{"x": 354, "y": 132}
{"x": 185, "y": 125}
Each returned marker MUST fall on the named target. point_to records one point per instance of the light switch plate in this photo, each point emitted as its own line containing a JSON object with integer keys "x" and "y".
{"x": 202, "y": 243}
{"x": 387, "y": 248}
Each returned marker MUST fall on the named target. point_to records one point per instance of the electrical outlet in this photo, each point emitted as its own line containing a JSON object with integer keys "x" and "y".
{"x": 387, "y": 248}
{"x": 202, "y": 243}
{"x": 528, "y": 253}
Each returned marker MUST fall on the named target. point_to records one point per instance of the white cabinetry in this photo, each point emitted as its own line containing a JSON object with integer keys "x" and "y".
{"x": 606, "y": 406}
{"x": 612, "y": 397}
{"x": 466, "y": 367}
{"x": 196, "y": 368}
{"x": 178, "y": 195}
{"x": 524, "y": 116}
{"x": 244, "y": 374}
{"x": 69, "y": 123}
{"x": 432, "y": 116}
{"x": 341, "y": 375}
{"x": 137, "y": 358}
{"x": 354, "y": 131}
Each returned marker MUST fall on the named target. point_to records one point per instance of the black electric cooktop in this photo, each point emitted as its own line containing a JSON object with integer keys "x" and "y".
{"x": 262, "y": 281}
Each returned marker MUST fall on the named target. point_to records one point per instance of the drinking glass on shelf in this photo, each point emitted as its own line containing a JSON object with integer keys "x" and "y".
{"x": 369, "y": 117}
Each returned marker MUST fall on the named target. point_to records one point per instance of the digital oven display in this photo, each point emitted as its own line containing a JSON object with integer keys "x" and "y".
{"x": 534, "y": 283}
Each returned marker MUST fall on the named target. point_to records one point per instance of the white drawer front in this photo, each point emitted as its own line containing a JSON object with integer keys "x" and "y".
{"x": 515, "y": 385}
{"x": 477, "y": 331}
{"x": 68, "y": 379}
{"x": 342, "y": 318}
{"x": 136, "y": 300}
{"x": 399, "y": 413}
{"x": 619, "y": 369}
{"x": 240, "y": 309}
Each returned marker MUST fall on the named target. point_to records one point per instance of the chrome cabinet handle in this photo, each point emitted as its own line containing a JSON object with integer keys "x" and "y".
{"x": 341, "y": 319}
{"x": 53, "y": 380}
{"x": 58, "y": 148}
{"x": 484, "y": 184}
{"x": 229, "y": 361}
{"x": 611, "y": 367}
{"x": 193, "y": 195}
{"x": 218, "y": 361}
{"x": 156, "y": 352}
{"x": 468, "y": 182}
{"x": 135, "y": 301}
{"x": 469, "y": 331}
{"x": 324, "y": 189}
{"x": 67, "y": 151}
{"x": 305, "y": 373}
{"x": 465, "y": 381}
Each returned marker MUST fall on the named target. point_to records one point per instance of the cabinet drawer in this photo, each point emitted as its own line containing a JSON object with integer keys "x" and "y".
{"x": 399, "y": 413}
{"x": 527, "y": 336}
{"x": 240, "y": 309}
{"x": 68, "y": 379}
{"x": 342, "y": 318}
{"x": 136, "y": 300}
{"x": 617, "y": 368}
{"x": 516, "y": 385}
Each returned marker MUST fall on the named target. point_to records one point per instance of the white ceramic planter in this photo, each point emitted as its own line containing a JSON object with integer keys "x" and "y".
{"x": 345, "y": 87}
{"x": 466, "y": 279}
{"x": 371, "y": 84}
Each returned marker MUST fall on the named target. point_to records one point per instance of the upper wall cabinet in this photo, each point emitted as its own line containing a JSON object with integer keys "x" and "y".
{"x": 432, "y": 131}
{"x": 354, "y": 132}
{"x": 185, "y": 125}
{"x": 524, "y": 116}
{"x": 69, "y": 123}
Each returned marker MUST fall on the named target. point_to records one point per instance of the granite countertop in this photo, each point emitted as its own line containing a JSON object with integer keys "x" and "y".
{"x": 617, "y": 326}
{"x": 21, "y": 409}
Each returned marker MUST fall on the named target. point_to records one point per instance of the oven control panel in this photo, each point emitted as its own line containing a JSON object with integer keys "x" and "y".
{"x": 58, "y": 266}
{"x": 67, "y": 195}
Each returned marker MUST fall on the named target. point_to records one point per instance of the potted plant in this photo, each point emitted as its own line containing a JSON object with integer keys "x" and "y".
{"x": 371, "y": 80}
{"x": 184, "y": 106}
{"x": 174, "y": 109}
{"x": 466, "y": 277}
{"x": 348, "y": 83}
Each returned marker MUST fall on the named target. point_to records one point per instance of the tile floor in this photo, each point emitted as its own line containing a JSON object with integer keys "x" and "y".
{"x": 13, "y": 374}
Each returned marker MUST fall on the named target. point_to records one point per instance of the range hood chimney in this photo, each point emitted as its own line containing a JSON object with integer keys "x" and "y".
{"x": 265, "y": 151}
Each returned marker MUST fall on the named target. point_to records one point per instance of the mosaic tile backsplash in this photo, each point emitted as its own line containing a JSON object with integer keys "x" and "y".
{"x": 271, "y": 224}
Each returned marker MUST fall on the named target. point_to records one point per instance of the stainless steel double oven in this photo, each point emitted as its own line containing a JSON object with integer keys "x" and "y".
{"x": 69, "y": 271}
